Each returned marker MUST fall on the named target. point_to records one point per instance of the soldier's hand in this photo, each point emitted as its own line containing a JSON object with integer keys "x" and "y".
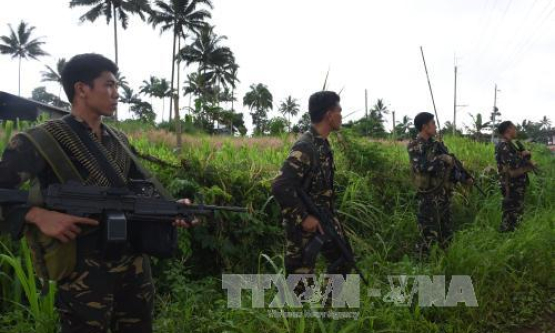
{"x": 470, "y": 181}
{"x": 448, "y": 159}
{"x": 181, "y": 222}
{"x": 57, "y": 225}
{"x": 526, "y": 153}
{"x": 311, "y": 224}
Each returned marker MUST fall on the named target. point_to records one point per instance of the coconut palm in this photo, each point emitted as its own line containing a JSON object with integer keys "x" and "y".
{"x": 179, "y": 17}
{"x": 112, "y": 9}
{"x": 214, "y": 60}
{"x": 404, "y": 126}
{"x": 162, "y": 90}
{"x": 289, "y": 108}
{"x": 20, "y": 45}
{"x": 545, "y": 123}
{"x": 148, "y": 87}
{"x": 477, "y": 126}
{"x": 54, "y": 75}
{"x": 259, "y": 100}
{"x": 129, "y": 97}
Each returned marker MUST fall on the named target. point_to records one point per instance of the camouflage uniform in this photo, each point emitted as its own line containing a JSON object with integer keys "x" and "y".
{"x": 100, "y": 293}
{"x": 512, "y": 170}
{"x": 299, "y": 171}
{"x": 432, "y": 177}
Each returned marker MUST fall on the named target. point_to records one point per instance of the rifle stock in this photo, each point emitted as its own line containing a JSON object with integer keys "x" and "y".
{"x": 460, "y": 168}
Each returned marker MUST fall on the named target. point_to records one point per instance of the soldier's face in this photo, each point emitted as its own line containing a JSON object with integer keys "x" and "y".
{"x": 430, "y": 128}
{"x": 102, "y": 97}
{"x": 511, "y": 132}
{"x": 335, "y": 118}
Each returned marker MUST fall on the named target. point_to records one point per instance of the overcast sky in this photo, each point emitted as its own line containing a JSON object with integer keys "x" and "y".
{"x": 290, "y": 44}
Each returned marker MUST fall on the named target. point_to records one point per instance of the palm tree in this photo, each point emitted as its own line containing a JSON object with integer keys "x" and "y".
{"x": 179, "y": 17}
{"x": 112, "y": 9}
{"x": 260, "y": 100}
{"x": 289, "y": 107}
{"x": 545, "y": 123}
{"x": 216, "y": 65}
{"x": 20, "y": 45}
{"x": 54, "y": 75}
{"x": 148, "y": 87}
{"x": 215, "y": 61}
{"x": 404, "y": 126}
{"x": 162, "y": 90}
{"x": 378, "y": 110}
{"x": 129, "y": 97}
{"x": 477, "y": 126}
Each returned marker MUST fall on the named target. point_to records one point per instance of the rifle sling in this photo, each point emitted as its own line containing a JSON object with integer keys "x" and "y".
{"x": 53, "y": 154}
{"x": 148, "y": 176}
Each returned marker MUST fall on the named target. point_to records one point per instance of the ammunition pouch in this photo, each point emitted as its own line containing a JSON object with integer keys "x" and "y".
{"x": 52, "y": 259}
{"x": 422, "y": 181}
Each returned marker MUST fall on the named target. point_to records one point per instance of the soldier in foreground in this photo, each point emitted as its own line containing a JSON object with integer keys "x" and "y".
{"x": 513, "y": 165}
{"x": 310, "y": 168}
{"x": 100, "y": 286}
{"x": 432, "y": 174}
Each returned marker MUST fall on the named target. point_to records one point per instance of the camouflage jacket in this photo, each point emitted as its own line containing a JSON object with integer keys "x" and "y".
{"x": 510, "y": 164}
{"x": 429, "y": 172}
{"x": 297, "y": 168}
{"x": 21, "y": 162}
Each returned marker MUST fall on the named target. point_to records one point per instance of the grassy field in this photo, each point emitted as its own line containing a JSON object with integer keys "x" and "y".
{"x": 512, "y": 274}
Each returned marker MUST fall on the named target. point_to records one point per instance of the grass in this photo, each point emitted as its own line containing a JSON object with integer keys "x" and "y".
{"x": 511, "y": 273}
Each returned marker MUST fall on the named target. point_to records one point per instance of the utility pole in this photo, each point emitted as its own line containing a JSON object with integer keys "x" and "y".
{"x": 365, "y": 112}
{"x": 394, "y": 134}
{"x": 455, "y": 105}
{"x": 494, "y": 113}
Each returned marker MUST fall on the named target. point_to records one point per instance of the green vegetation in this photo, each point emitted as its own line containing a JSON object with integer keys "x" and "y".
{"x": 512, "y": 274}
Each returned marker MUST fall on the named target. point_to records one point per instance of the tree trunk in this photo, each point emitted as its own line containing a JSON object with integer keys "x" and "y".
{"x": 173, "y": 70}
{"x": 19, "y": 80}
{"x": 178, "y": 67}
{"x": 163, "y": 108}
{"x": 177, "y": 120}
{"x": 232, "y": 111}
{"x": 115, "y": 18}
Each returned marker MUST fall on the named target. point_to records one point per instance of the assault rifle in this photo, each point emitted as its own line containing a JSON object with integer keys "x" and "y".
{"x": 526, "y": 160}
{"x": 315, "y": 245}
{"x": 115, "y": 206}
{"x": 460, "y": 174}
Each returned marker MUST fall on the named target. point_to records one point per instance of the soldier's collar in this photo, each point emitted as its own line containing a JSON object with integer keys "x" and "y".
{"x": 419, "y": 137}
{"x": 82, "y": 122}
{"x": 316, "y": 135}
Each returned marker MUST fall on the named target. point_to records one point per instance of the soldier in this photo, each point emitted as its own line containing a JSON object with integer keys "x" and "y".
{"x": 98, "y": 289}
{"x": 432, "y": 175}
{"x": 513, "y": 165}
{"x": 310, "y": 167}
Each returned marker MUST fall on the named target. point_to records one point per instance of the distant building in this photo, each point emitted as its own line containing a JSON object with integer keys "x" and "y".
{"x": 14, "y": 107}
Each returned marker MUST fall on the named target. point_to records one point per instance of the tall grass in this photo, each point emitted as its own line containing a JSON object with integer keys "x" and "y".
{"x": 511, "y": 273}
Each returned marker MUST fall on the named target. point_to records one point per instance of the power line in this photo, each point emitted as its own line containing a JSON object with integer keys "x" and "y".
{"x": 530, "y": 41}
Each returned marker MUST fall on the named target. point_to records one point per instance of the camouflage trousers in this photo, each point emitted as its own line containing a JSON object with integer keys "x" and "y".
{"x": 101, "y": 295}
{"x": 296, "y": 240}
{"x": 512, "y": 206}
{"x": 434, "y": 219}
